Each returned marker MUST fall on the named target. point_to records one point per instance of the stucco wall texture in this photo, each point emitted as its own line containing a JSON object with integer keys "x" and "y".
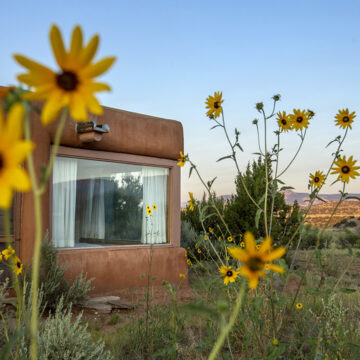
{"x": 114, "y": 267}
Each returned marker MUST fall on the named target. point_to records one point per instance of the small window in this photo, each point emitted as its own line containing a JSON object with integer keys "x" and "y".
{"x": 100, "y": 203}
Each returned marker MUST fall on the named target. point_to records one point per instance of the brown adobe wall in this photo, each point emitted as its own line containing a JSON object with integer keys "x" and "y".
{"x": 118, "y": 267}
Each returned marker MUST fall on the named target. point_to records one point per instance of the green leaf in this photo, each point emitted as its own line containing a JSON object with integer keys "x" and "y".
{"x": 261, "y": 200}
{"x": 352, "y": 197}
{"x": 286, "y": 188}
{"x": 201, "y": 309}
{"x": 319, "y": 198}
{"x": 257, "y": 217}
{"x": 215, "y": 126}
{"x": 224, "y": 157}
{"x": 238, "y": 145}
{"x": 191, "y": 169}
{"x": 347, "y": 290}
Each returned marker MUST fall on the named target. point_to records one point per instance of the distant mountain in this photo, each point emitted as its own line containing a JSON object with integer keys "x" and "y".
{"x": 303, "y": 198}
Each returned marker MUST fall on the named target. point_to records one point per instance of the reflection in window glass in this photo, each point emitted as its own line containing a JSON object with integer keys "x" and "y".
{"x": 103, "y": 203}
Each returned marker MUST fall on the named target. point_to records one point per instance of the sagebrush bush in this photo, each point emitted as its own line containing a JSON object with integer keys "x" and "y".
{"x": 60, "y": 338}
{"x": 53, "y": 284}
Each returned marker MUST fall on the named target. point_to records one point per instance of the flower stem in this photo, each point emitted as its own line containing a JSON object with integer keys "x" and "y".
{"x": 226, "y": 329}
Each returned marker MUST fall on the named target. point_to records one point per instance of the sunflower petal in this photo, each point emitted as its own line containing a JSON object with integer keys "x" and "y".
{"x": 5, "y": 197}
{"x": 19, "y": 179}
{"x": 93, "y": 105}
{"x": 89, "y": 51}
{"x": 76, "y": 42}
{"x": 14, "y": 123}
{"x": 97, "y": 86}
{"x": 250, "y": 243}
{"x": 99, "y": 67}
{"x": 20, "y": 151}
{"x": 37, "y": 79}
{"x": 41, "y": 93}
{"x": 31, "y": 65}
{"x": 253, "y": 282}
{"x": 238, "y": 254}
{"x": 276, "y": 254}
{"x": 265, "y": 245}
{"x": 1, "y": 119}
{"x": 51, "y": 109}
{"x": 58, "y": 46}
{"x": 276, "y": 268}
{"x": 77, "y": 108}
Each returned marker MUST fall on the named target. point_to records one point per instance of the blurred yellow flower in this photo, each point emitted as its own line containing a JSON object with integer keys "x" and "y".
{"x": 299, "y": 119}
{"x": 242, "y": 244}
{"x": 18, "y": 266}
{"x": 191, "y": 202}
{"x": 284, "y": 122}
{"x": 213, "y": 104}
{"x": 199, "y": 251}
{"x": 211, "y": 230}
{"x": 182, "y": 276}
{"x": 149, "y": 211}
{"x": 299, "y": 306}
{"x": 181, "y": 160}
{"x": 344, "y": 118}
{"x": 345, "y": 168}
{"x": 154, "y": 207}
{"x": 219, "y": 238}
{"x": 229, "y": 274}
{"x": 227, "y": 258}
{"x": 13, "y": 151}
{"x": 9, "y": 252}
{"x": 230, "y": 239}
{"x": 275, "y": 342}
{"x": 318, "y": 179}
{"x": 254, "y": 260}
{"x": 206, "y": 237}
{"x": 189, "y": 262}
{"x": 73, "y": 84}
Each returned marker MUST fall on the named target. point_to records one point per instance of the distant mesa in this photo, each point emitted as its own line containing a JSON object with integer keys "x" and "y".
{"x": 303, "y": 198}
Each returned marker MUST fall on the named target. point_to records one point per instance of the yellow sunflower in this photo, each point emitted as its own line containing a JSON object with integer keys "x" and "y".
{"x": 229, "y": 239}
{"x": 181, "y": 160}
{"x": 299, "y": 306}
{"x": 8, "y": 253}
{"x": 318, "y": 179}
{"x": 254, "y": 260}
{"x": 191, "y": 202}
{"x": 229, "y": 274}
{"x": 211, "y": 230}
{"x": 149, "y": 211}
{"x": 213, "y": 103}
{"x": 154, "y": 207}
{"x": 284, "y": 122}
{"x": 345, "y": 168}
{"x": 242, "y": 244}
{"x": 344, "y": 118}
{"x": 299, "y": 119}
{"x": 73, "y": 84}
{"x": 182, "y": 276}
{"x": 199, "y": 251}
{"x": 18, "y": 266}
{"x": 13, "y": 152}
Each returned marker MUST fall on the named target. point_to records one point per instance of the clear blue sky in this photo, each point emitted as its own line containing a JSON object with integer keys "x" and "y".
{"x": 172, "y": 54}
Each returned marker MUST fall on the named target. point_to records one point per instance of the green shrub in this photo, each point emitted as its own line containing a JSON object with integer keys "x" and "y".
{"x": 188, "y": 235}
{"x": 53, "y": 284}
{"x": 348, "y": 238}
{"x": 60, "y": 338}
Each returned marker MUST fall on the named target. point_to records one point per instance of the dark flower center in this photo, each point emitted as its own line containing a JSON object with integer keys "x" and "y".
{"x": 316, "y": 179}
{"x": 1, "y": 162}
{"x": 18, "y": 264}
{"x": 229, "y": 273}
{"x": 216, "y": 105}
{"x": 283, "y": 121}
{"x": 299, "y": 119}
{"x": 345, "y": 169}
{"x": 67, "y": 80}
{"x": 346, "y": 119}
{"x": 255, "y": 264}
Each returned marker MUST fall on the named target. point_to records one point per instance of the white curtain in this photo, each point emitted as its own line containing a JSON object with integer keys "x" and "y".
{"x": 154, "y": 192}
{"x": 93, "y": 219}
{"x": 64, "y": 202}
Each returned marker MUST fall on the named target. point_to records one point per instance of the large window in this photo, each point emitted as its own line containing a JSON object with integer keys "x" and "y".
{"x": 101, "y": 203}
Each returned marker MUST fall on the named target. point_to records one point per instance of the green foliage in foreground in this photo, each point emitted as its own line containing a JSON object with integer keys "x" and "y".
{"x": 53, "y": 284}
{"x": 327, "y": 324}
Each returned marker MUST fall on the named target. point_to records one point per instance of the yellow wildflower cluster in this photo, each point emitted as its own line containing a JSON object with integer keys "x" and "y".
{"x": 298, "y": 120}
{"x": 255, "y": 259}
{"x": 15, "y": 262}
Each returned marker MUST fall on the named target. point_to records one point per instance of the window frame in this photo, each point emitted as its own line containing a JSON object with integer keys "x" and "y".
{"x": 114, "y": 157}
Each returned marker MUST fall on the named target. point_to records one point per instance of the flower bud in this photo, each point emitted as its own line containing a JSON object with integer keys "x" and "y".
{"x": 259, "y": 106}
{"x": 277, "y": 97}
{"x": 255, "y": 121}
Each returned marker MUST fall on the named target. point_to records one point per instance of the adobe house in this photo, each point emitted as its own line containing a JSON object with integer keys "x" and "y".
{"x": 95, "y": 208}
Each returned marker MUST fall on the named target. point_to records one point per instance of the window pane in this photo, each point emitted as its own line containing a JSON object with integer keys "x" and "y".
{"x": 104, "y": 203}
